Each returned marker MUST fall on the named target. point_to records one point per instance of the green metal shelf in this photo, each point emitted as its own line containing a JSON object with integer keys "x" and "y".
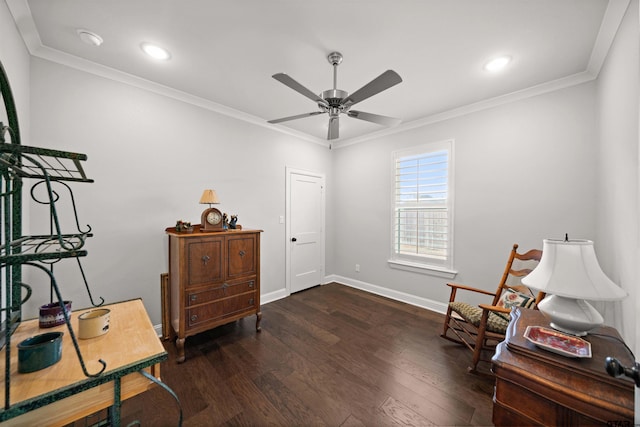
{"x": 42, "y": 163}
{"x": 43, "y": 248}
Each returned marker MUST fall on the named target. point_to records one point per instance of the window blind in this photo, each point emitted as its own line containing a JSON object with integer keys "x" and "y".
{"x": 422, "y": 222}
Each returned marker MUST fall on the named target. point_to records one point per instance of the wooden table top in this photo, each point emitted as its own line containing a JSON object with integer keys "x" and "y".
{"x": 197, "y": 233}
{"x": 605, "y": 341}
{"x": 130, "y": 345}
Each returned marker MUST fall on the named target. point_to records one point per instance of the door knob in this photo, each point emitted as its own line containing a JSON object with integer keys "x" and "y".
{"x": 293, "y": 239}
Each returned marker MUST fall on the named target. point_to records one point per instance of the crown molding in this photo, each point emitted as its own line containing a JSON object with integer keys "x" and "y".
{"x": 610, "y": 23}
{"x": 486, "y": 104}
{"x": 26, "y": 26}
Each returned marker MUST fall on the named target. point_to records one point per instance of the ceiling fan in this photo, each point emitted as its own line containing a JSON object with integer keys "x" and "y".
{"x": 335, "y": 101}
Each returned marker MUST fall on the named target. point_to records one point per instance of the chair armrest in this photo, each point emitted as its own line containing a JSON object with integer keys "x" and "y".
{"x": 469, "y": 288}
{"x": 495, "y": 308}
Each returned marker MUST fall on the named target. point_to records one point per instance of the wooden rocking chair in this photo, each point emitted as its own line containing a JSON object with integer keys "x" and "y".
{"x": 481, "y": 327}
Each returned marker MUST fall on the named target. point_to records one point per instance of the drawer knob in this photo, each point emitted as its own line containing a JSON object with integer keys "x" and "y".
{"x": 251, "y": 284}
{"x": 242, "y": 253}
{"x": 194, "y": 297}
{"x": 194, "y": 317}
{"x": 251, "y": 301}
{"x": 205, "y": 259}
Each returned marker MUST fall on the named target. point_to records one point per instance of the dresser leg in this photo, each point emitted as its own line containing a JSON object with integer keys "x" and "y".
{"x": 180, "y": 347}
{"x": 258, "y": 319}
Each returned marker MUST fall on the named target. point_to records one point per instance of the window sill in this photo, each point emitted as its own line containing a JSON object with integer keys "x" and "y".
{"x": 415, "y": 267}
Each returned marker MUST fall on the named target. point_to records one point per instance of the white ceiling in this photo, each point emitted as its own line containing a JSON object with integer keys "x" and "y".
{"x": 224, "y": 52}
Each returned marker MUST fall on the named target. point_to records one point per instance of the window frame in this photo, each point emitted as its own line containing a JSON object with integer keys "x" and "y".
{"x": 424, "y": 263}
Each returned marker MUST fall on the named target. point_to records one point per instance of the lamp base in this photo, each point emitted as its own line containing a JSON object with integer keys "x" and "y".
{"x": 571, "y": 316}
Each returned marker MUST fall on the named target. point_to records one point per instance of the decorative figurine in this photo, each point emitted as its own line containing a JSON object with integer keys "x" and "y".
{"x": 225, "y": 221}
{"x": 183, "y": 226}
{"x": 232, "y": 223}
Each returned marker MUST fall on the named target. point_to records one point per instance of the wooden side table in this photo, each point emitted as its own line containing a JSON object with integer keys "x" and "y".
{"x": 61, "y": 393}
{"x": 538, "y": 387}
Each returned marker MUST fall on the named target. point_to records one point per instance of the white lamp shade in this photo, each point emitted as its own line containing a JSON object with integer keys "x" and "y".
{"x": 569, "y": 268}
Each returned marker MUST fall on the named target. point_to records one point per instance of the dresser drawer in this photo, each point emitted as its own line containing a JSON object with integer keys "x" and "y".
{"x": 217, "y": 292}
{"x": 220, "y": 309}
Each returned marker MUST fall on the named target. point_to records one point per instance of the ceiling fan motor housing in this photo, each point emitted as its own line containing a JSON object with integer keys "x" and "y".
{"x": 334, "y": 96}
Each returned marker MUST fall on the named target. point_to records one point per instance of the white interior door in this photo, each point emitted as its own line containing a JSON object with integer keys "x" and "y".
{"x": 305, "y": 217}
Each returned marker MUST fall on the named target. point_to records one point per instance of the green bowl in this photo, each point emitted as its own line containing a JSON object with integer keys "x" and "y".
{"x": 39, "y": 352}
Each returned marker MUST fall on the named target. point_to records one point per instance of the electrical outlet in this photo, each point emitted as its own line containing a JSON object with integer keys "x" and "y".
{"x": 357, "y": 268}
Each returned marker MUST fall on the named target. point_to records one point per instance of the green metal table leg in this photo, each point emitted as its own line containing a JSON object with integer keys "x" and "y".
{"x": 115, "y": 409}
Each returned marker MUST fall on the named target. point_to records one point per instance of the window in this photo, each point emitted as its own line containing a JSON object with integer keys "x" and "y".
{"x": 422, "y": 228}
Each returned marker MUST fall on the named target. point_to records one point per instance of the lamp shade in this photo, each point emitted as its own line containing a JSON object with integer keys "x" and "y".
{"x": 569, "y": 268}
{"x": 209, "y": 197}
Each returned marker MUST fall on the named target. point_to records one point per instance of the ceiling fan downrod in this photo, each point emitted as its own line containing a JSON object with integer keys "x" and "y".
{"x": 335, "y": 58}
{"x": 334, "y": 96}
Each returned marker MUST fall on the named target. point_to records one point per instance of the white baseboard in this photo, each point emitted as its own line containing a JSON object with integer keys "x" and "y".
{"x": 273, "y": 296}
{"x": 428, "y": 304}
{"x": 425, "y": 303}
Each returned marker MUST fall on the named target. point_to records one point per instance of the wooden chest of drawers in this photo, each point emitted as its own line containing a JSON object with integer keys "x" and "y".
{"x": 214, "y": 278}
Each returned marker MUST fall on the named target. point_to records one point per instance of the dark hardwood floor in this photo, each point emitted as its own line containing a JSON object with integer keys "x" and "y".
{"x": 331, "y": 355}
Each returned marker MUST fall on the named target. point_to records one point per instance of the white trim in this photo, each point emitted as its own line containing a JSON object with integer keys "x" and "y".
{"x": 24, "y": 21}
{"x": 414, "y": 267}
{"x": 610, "y": 23}
{"x": 486, "y": 104}
{"x": 357, "y": 284}
{"x": 425, "y": 303}
{"x": 288, "y": 172}
{"x": 429, "y": 265}
{"x": 273, "y": 296}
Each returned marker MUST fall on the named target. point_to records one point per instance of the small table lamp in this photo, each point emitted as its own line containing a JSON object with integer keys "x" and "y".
{"x": 569, "y": 273}
{"x": 209, "y": 197}
{"x": 211, "y": 218}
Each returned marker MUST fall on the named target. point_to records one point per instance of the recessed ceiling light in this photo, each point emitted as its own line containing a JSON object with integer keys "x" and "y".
{"x": 497, "y": 64}
{"x": 89, "y": 37}
{"x": 155, "y": 51}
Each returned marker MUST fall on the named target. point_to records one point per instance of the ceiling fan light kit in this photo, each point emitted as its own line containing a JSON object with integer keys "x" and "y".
{"x": 335, "y": 101}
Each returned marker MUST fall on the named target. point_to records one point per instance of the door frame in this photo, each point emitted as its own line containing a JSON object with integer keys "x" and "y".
{"x": 288, "y": 172}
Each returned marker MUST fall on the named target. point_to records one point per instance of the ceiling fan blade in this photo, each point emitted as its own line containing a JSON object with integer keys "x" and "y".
{"x": 298, "y": 116}
{"x": 334, "y": 128}
{"x": 374, "y": 118}
{"x": 288, "y": 81}
{"x": 384, "y": 81}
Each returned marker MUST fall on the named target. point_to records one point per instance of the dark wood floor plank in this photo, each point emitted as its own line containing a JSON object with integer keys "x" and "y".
{"x": 404, "y": 415}
{"x": 330, "y": 408}
{"x": 287, "y": 402}
{"x": 329, "y": 356}
{"x": 441, "y": 408}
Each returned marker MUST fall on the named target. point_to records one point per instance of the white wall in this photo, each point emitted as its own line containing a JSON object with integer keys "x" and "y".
{"x": 618, "y": 192}
{"x": 524, "y": 171}
{"x": 15, "y": 60}
{"x": 151, "y": 156}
